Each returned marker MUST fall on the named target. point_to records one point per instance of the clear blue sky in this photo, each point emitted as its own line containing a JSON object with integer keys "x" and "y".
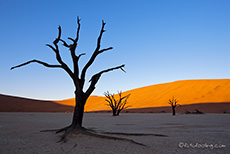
{"x": 158, "y": 40}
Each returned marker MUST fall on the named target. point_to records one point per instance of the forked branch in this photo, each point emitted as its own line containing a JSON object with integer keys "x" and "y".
{"x": 117, "y": 104}
{"x": 72, "y": 47}
{"x": 174, "y": 103}
{"x": 97, "y": 76}
{"x": 96, "y": 52}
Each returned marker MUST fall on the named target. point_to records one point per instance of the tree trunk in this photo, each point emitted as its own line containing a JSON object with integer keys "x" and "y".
{"x": 78, "y": 110}
{"x": 114, "y": 112}
{"x": 174, "y": 112}
{"x": 118, "y": 112}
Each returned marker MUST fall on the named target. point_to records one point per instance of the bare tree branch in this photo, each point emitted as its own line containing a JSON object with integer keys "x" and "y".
{"x": 100, "y": 36}
{"x": 71, "y": 39}
{"x": 36, "y": 61}
{"x": 114, "y": 101}
{"x": 104, "y": 71}
{"x": 55, "y": 42}
{"x": 174, "y": 103}
{"x": 97, "y": 76}
{"x": 72, "y": 47}
{"x": 109, "y": 99}
{"x": 110, "y": 48}
{"x": 96, "y": 52}
{"x": 81, "y": 55}
{"x": 51, "y": 47}
{"x": 78, "y": 29}
{"x": 58, "y": 57}
{"x": 111, "y": 69}
{"x": 117, "y": 105}
{"x": 64, "y": 43}
{"x": 123, "y": 105}
{"x": 121, "y": 98}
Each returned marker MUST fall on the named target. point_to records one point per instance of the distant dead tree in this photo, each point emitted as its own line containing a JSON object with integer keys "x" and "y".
{"x": 174, "y": 103}
{"x": 78, "y": 76}
{"x": 116, "y": 104}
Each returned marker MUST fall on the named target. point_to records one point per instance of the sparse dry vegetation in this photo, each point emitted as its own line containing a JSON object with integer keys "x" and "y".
{"x": 174, "y": 103}
{"x": 118, "y": 103}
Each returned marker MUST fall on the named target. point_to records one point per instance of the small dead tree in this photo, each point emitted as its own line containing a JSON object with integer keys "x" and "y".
{"x": 174, "y": 103}
{"x": 78, "y": 76}
{"x": 116, "y": 104}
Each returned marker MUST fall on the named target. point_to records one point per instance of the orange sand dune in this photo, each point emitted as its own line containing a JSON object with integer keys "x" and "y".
{"x": 186, "y": 91}
{"x": 94, "y": 103}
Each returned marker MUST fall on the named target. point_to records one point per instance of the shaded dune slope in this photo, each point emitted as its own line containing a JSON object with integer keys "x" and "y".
{"x": 18, "y": 104}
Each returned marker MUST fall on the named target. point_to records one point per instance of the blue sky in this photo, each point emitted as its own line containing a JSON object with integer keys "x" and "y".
{"x": 159, "y": 41}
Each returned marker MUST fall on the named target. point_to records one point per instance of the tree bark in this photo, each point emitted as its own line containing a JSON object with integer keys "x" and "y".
{"x": 118, "y": 112}
{"x": 174, "y": 112}
{"x": 80, "y": 101}
{"x": 114, "y": 112}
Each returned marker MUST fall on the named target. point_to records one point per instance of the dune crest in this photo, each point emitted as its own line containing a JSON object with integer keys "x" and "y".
{"x": 186, "y": 91}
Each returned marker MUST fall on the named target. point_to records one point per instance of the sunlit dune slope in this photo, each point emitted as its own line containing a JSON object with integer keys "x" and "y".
{"x": 186, "y": 91}
{"x": 94, "y": 103}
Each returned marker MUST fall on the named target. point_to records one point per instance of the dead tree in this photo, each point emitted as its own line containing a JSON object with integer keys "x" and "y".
{"x": 77, "y": 76}
{"x": 173, "y": 102}
{"x": 117, "y": 105}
